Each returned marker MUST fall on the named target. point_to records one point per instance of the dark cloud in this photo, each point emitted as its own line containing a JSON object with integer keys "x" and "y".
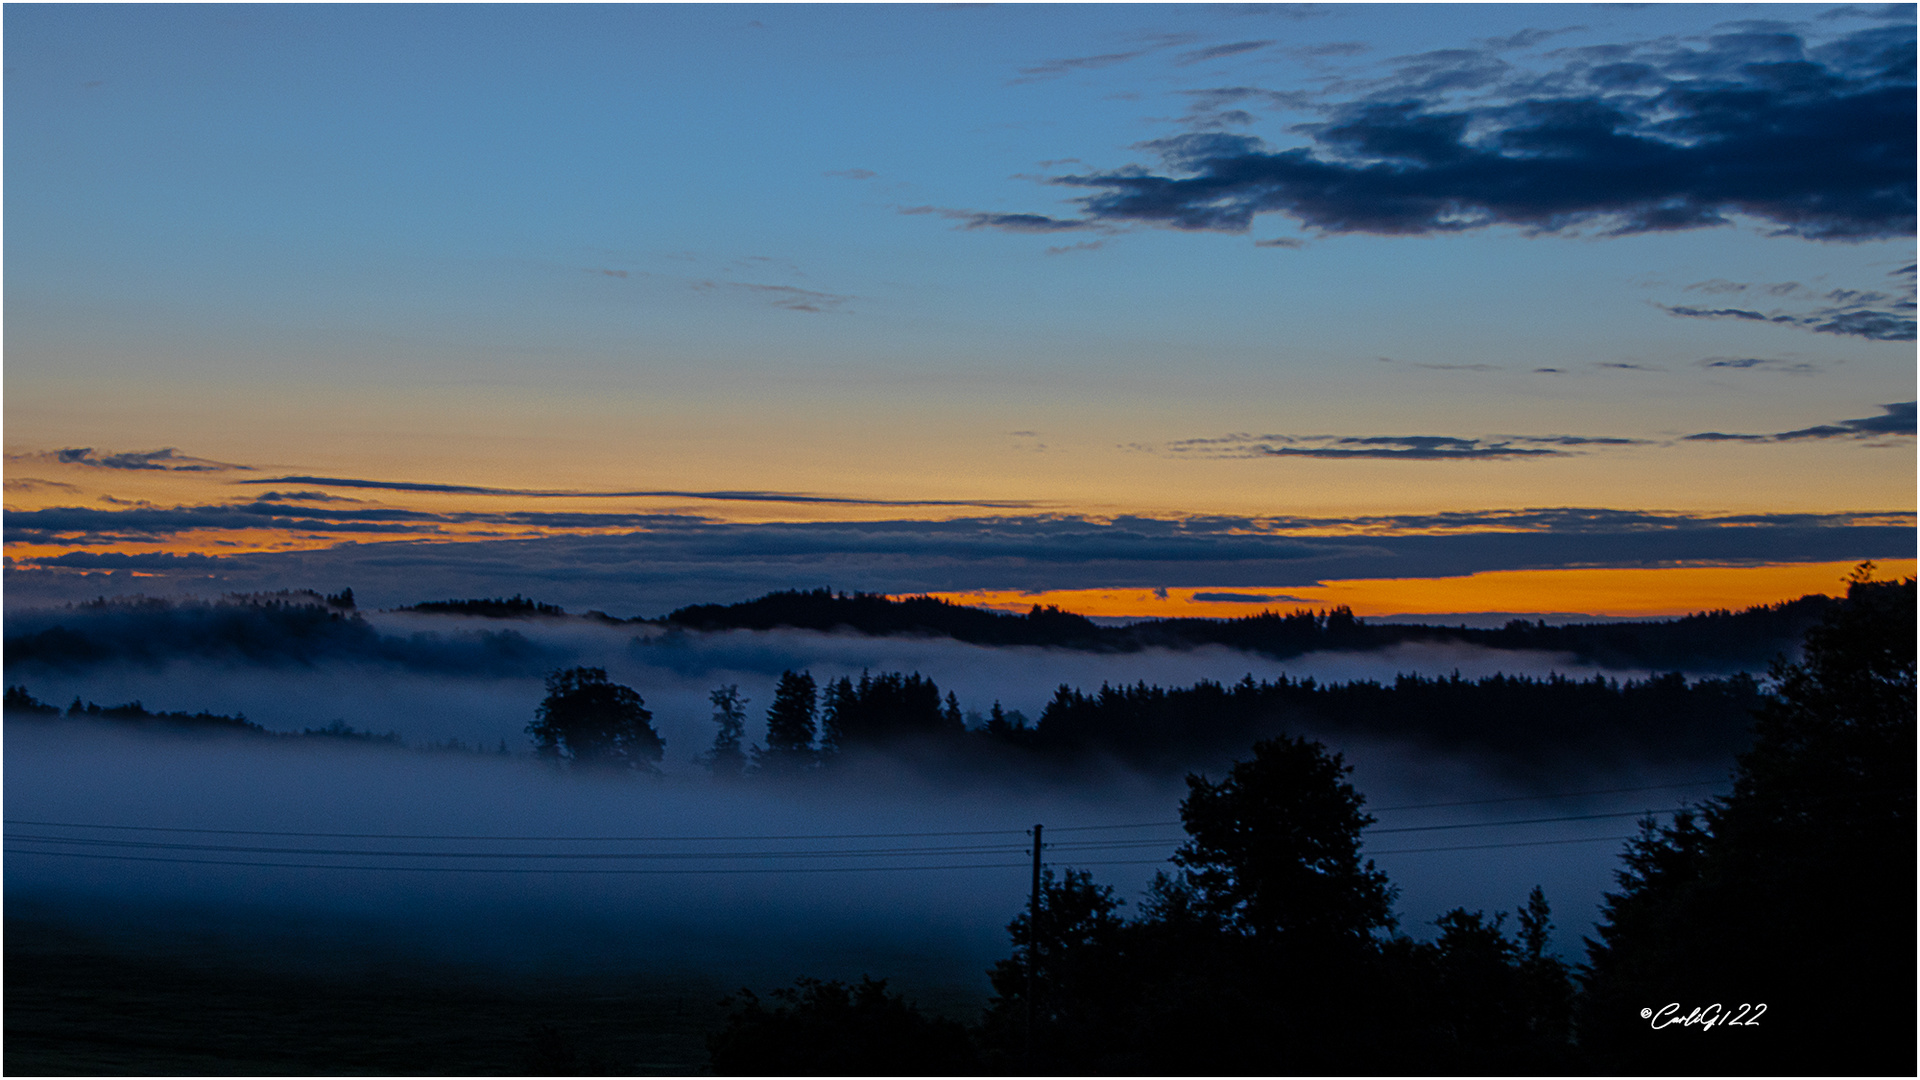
{"x": 1895, "y": 420}
{"x": 1650, "y": 137}
{"x": 1247, "y": 598}
{"x": 651, "y": 572}
{"x": 1216, "y": 52}
{"x": 535, "y": 493}
{"x": 82, "y": 525}
{"x": 113, "y": 560}
{"x": 167, "y": 459}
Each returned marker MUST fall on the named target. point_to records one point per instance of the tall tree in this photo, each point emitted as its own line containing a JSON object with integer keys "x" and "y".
{"x": 591, "y": 722}
{"x": 727, "y": 757}
{"x": 790, "y": 726}
{"x": 1274, "y": 849}
{"x": 1796, "y": 890}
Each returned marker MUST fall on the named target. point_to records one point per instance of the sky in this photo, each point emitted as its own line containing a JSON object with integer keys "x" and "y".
{"x": 1140, "y": 309}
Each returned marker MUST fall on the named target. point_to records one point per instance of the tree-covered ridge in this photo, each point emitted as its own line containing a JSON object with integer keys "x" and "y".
{"x": 512, "y": 607}
{"x": 1516, "y": 717}
{"x": 1717, "y": 640}
{"x": 23, "y": 705}
{"x": 1794, "y": 893}
{"x": 1767, "y": 932}
{"x": 272, "y": 630}
{"x": 877, "y": 614}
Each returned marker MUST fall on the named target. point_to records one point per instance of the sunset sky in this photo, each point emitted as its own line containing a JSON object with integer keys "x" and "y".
{"x": 1137, "y": 309}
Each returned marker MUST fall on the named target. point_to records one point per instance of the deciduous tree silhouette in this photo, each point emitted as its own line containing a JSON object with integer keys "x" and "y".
{"x": 727, "y": 757}
{"x": 1274, "y": 848}
{"x": 832, "y": 1029}
{"x": 591, "y": 722}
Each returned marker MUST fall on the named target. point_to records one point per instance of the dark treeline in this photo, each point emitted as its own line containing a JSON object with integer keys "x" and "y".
{"x": 303, "y": 627}
{"x": 513, "y": 607}
{"x": 1770, "y": 931}
{"x": 23, "y": 704}
{"x": 1520, "y": 717}
{"x": 872, "y": 613}
{"x": 1520, "y": 720}
{"x": 20, "y": 704}
{"x": 1716, "y": 640}
{"x": 279, "y": 629}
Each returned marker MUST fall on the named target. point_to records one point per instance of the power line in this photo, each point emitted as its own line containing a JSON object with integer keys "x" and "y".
{"x": 518, "y": 869}
{"x": 795, "y": 836}
{"x": 448, "y": 836}
{"x": 1489, "y": 847}
{"x": 728, "y": 870}
{"x": 1523, "y": 821}
{"x": 253, "y": 849}
{"x": 1560, "y": 795}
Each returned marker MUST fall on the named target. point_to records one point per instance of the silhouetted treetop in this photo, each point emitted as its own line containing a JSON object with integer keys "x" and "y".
{"x": 883, "y": 709}
{"x": 1797, "y": 889}
{"x": 1715, "y": 640}
{"x": 589, "y": 721}
{"x": 791, "y": 726}
{"x": 1274, "y": 848}
{"x": 874, "y": 613}
{"x": 833, "y": 1029}
{"x": 512, "y": 607}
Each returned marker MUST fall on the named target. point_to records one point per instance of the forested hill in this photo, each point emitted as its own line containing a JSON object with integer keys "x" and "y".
{"x": 873, "y": 613}
{"x": 1716, "y": 640}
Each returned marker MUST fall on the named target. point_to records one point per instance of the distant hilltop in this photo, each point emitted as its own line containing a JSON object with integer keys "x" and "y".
{"x": 303, "y": 626}
{"x": 1715, "y": 640}
{"x": 513, "y": 607}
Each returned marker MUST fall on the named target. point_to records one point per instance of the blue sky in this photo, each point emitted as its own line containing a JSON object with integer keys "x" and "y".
{"x": 1096, "y": 261}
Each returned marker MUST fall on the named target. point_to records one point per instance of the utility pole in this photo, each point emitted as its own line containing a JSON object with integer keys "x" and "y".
{"x": 1033, "y": 938}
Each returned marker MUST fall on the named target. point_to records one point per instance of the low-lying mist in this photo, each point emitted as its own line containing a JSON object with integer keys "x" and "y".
{"x": 517, "y": 896}
{"x": 674, "y": 671}
{"x": 702, "y": 904}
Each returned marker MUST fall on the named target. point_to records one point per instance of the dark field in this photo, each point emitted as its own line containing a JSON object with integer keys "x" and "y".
{"x": 87, "y": 1006}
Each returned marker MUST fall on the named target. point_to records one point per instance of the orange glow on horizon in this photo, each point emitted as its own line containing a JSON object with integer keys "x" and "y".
{"x": 1659, "y": 592}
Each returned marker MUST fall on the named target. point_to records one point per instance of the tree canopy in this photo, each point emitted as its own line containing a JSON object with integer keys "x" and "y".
{"x": 1274, "y": 849}
{"x": 1796, "y": 890}
{"x": 591, "y": 722}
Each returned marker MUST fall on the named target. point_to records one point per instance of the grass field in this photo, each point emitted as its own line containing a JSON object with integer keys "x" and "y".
{"x": 91, "y": 1005}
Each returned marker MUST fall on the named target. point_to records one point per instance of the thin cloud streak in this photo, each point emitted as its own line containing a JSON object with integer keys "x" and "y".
{"x": 542, "y": 493}
{"x": 1896, "y": 420}
{"x": 1391, "y": 447}
{"x": 167, "y": 459}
